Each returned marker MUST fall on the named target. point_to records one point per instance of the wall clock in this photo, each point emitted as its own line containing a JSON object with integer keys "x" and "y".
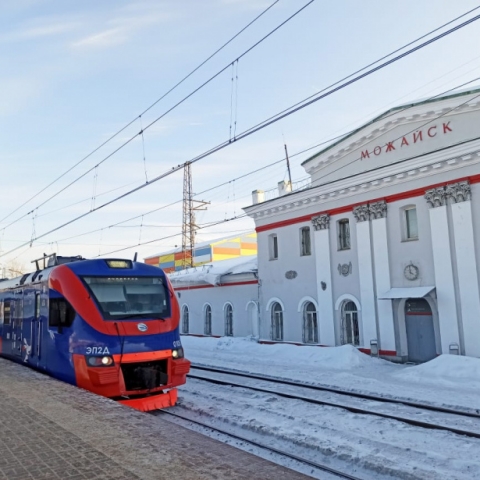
{"x": 411, "y": 272}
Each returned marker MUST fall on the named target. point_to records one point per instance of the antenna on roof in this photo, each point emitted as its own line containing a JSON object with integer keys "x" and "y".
{"x": 135, "y": 257}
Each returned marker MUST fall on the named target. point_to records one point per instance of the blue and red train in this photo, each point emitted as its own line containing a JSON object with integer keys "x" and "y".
{"x": 110, "y": 326}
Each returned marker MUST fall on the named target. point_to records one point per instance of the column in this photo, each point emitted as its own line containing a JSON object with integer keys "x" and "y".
{"x": 326, "y": 320}
{"x": 365, "y": 271}
{"x": 466, "y": 259}
{"x": 378, "y": 215}
{"x": 442, "y": 262}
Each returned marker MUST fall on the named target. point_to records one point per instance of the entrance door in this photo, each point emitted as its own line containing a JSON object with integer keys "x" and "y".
{"x": 420, "y": 332}
{"x": 17, "y": 325}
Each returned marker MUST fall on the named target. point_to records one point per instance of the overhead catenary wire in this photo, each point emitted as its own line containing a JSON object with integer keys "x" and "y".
{"x": 109, "y": 139}
{"x": 285, "y": 113}
{"x": 252, "y": 172}
{"x": 280, "y": 115}
{"x": 256, "y": 128}
{"x": 180, "y": 102}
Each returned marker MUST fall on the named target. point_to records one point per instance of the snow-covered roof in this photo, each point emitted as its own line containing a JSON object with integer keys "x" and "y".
{"x": 213, "y": 272}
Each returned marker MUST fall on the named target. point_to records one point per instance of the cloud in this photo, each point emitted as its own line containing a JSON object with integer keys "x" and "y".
{"x": 108, "y": 38}
{"x": 41, "y": 27}
{"x": 126, "y": 23}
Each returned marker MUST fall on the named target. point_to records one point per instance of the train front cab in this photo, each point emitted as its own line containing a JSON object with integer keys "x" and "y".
{"x": 57, "y": 325}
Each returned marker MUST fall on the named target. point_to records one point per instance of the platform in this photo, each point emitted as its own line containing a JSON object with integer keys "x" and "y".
{"x": 52, "y": 430}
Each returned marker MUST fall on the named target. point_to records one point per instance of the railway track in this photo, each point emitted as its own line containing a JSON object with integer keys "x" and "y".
{"x": 412, "y": 413}
{"x": 302, "y": 461}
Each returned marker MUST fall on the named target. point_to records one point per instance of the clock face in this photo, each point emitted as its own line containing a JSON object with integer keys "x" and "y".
{"x": 411, "y": 272}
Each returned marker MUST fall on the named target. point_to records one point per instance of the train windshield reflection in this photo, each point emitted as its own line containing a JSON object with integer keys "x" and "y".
{"x": 122, "y": 298}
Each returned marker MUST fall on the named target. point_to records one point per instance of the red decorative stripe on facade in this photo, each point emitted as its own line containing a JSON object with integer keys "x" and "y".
{"x": 348, "y": 208}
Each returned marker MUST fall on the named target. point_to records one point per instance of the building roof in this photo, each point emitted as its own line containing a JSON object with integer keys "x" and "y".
{"x": 213, "y": 272}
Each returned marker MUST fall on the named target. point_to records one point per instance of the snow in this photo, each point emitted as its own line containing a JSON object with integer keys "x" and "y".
{"x": 365, "y": 445}
{"x": 446, "y": 370}
{"x": 449, "y": 380}
{"x": 212, "y": 273}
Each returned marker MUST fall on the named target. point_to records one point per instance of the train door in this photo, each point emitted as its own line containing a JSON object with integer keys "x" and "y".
{"x": 7, "y": 328}
{"x": 17, "y": 324}
{"x": 36, "y": 344}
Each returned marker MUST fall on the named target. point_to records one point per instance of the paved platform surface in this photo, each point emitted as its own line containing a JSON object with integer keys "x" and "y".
{"x": 52, "y": 430}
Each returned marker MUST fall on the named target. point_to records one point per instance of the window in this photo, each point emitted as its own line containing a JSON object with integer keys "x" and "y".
{"x": 305, "y": 243}
{"x": 310, "y": 327}
{"x": 208, "y": 320}
{"x": 130, "y": 297}
{"x": 343, "y": 234}
{"x": 277, "y": 322}
{"x": 350, "y": 331}
{"x": 273, "y": 247}
{"x": 61, "y": 313}
{"x": 411, "y": 224}
{"x": 228, "y": 320}
{"x": 6, "y": 312}
{"x": 185, "y": 319}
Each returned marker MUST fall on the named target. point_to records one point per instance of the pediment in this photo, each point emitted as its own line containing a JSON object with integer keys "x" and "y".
{"x": 405, "y": 133}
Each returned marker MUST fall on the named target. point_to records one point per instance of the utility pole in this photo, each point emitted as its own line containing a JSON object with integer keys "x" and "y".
{"x": 189, "y": 226}
{"x": 288, "y": 167}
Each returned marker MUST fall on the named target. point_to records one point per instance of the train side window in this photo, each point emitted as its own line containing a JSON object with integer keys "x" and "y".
{"x": 6, "y": 312}
{"x": 61, "y": 313}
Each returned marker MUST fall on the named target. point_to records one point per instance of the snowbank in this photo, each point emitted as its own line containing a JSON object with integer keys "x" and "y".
{"x": 446, "y": 370}
{"x": 344, "y": 357}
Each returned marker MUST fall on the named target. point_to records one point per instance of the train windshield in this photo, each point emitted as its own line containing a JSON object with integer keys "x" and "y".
{"x": 123, "y": 298}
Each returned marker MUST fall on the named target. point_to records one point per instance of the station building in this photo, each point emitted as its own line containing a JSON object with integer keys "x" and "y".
{"x": 219, "y": 298}
{"x": 382, "y": 249}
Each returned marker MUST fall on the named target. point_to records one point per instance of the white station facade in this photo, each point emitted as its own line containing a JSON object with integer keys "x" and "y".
{"x": 382, "y": 249}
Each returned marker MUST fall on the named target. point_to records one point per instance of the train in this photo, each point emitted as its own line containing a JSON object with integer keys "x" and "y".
{"x": 110, "y": 326}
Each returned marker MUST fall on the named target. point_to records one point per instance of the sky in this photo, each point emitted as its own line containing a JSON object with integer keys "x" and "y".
{"x": 75, "y": 73}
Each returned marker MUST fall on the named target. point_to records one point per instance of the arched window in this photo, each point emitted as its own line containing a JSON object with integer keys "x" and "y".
{"x": 185, "y": 319}
{"x": 350, "y": 329}
{"x": 310, "y": 326}
{"x": 229, "y": 320}
{"x": 277, "y": 322}
{"x": 208, "y": 320}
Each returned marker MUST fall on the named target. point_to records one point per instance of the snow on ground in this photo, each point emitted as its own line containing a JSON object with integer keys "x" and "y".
{"x": 364, "y": 445}
{"x": 448, "y": 380}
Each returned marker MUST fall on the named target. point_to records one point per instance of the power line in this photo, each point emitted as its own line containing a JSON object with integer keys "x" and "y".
{"x": 212, "y": 224}
{"x": 285, "y": 113}
{"x": 184, "y": 99}
{"x": 144, "y": 111}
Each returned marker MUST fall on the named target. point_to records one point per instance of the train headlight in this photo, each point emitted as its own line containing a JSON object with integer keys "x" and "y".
{"x": 177, "y": 353}
{"x": 105, "y": 361}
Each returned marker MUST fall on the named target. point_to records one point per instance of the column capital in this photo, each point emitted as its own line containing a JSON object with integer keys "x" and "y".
{"x": 378, "y": 210}
{"x": 459, "y": 192}
{"x": 436, "y": 197}
{"x": 321, "y": 222}
{"x": 361, "y": 213}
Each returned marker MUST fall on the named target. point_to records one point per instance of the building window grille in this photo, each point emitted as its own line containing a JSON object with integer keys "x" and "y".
{"x": 411, "y": 223}
{"x": 277, "y": 322}
{"x": 306, "y": 245}
{"x": 185, "y": 319}
{"x": 310, "y": 326}
{"x": 350, "y": 328}
{"x": 273, "y": 246}
{"x": 343, "y": 234}
{"x": 229, "y": 320}
{"x": 208, "y": 320}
